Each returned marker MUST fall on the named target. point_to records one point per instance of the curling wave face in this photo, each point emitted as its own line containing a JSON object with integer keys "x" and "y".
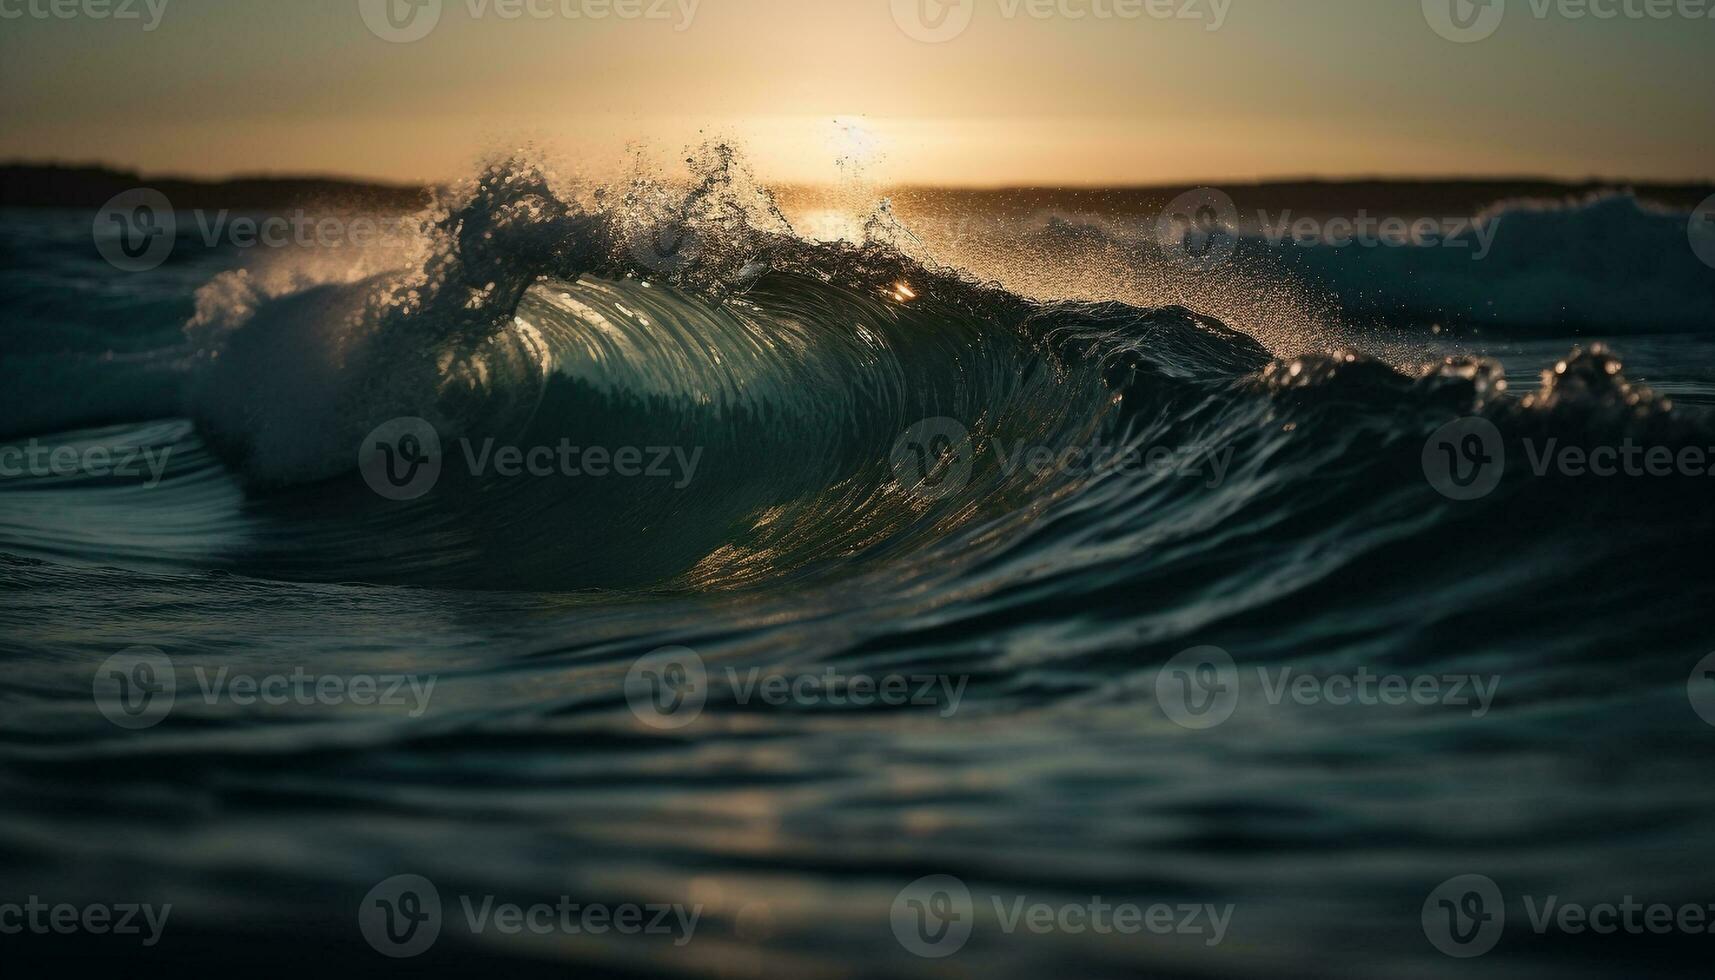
{"x": 775, "y": 375}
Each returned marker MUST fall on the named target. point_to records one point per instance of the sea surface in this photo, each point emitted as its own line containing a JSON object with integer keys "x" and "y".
{"x": 897, "y": 547}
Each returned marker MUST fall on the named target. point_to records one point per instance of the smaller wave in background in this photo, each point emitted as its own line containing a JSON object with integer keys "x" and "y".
{"x": 1611, "y": 264}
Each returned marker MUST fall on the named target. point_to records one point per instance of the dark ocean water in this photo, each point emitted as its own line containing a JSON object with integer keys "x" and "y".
{"x": 869, "y": 574}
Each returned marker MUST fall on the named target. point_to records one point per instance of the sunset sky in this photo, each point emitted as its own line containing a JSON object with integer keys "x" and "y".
{"x": 1282, "y": 88}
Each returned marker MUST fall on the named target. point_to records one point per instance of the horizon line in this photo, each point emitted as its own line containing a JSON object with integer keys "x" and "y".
{"x": 1000, "y": 187}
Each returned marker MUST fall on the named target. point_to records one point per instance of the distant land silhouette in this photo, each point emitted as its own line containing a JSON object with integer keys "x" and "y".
{"x": 26, "y": 185}
{"x": 1403, "y": 196}
{"x": 52, "y": 185}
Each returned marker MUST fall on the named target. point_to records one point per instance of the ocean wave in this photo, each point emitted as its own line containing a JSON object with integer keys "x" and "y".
{"x": 774, "y": 379}
{"x": 1550, "y": 265}
{"x": 1609, "y": 263}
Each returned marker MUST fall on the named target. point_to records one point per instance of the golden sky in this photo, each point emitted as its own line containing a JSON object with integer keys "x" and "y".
{"x": 964, "y": 92}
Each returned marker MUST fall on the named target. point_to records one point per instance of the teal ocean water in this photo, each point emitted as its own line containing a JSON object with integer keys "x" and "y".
{"x": 843, "y": 602}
